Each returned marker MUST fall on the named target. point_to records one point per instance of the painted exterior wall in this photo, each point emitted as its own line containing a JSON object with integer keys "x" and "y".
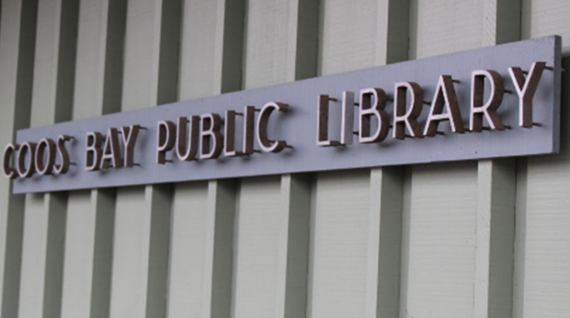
{"x": 486, "y": 238}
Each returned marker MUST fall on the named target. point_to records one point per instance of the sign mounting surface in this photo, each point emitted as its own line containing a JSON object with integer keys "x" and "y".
{"x": 493, "y": 102}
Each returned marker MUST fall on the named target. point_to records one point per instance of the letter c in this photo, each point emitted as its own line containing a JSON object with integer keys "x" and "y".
{"x": 9, "y": 150}
{"x": 265, "y": 143}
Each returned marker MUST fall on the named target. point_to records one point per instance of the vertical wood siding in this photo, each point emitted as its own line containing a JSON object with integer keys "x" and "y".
{"x": 543, "y": 284}
{"x": 466, "y": 239}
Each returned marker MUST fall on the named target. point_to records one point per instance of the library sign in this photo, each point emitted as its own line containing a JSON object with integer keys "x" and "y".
{"x": 494, "y": 102}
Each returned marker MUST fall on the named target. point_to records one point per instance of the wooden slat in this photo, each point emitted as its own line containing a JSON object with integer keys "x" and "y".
{"x": 384, "y": 243}
{"x": 542, "y": 245}
{"x": 257, "y": 248}
{"x": 188, "y": 250}
{"x": 496, "y": 180}
{"x": 519, "y": 272}
{"x": 142, "y": 216}
{"x": 501, "y": 21}
{"x": 201, "y": 260}
{"x": 42, "y": 255}
{"x": 17, "y": 44}
{"x": 280, "y": 46}
{"x": 444, "y": 26}
{"x": 219, "y": 258}
{"x": 546, "y": 17}
{"x": 365, "y": 33}
{"x": 44, "y": 220}
{"x": 90, "y": 219}
{"x": 495, "y": 238}
{"x": 294, "y": 237}
{"x": 357, "y": 35}
{"x": 339, "y": 245}
{"x": 440, "y": 237}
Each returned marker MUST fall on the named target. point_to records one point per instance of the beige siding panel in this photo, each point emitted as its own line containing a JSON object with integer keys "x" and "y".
{"x": 440, "y": 231}
{"x": 17, "y": 41}
{"x": 355, "y": 256}
{"x": 444, "y": 26}
{"x": 140, "y": 252}
{"x": 520, "y": 239}
{"x": 356, "y": 239}
{"x": 501, "y": 21}
{"x": 356, "y": 235}
{"x": 200, "y": 27}
{"x": 140, "y": 80}
{"x": 496, "y": 182}
{"x": 544, "y": 275}
{"x": 218, "y": 281}
{"x": 258, "y": 224}
{"x": 442, "y": 241}
{"x": 88, "y": 253}
{"x": 99, "y": 58}
{"x": 546, "y": 17}
{"x": 200, "y": 276}
{"x": 339, "y": 244}
{"x": 33, "y": 257}
{"x": 349, "y": 35}
{"x": 385, "y": 242}
{"x": 142, "y": 217}
{"x": 269, "y": 42}
{"x": 360, "y": 34}
{"x": 44, "y": 220}
{"x": 294, "y": 237}
{"x": 42, "y": 255}
{"x": 280, "y": 46}
{"x": 188, "y": 250}
{"x": 91, "y": 44}
{"x": 130, "y": 254}
{"x": 547, "y": 244}
{"x": 89, "y": 230}
{"x": 78, "y": 263}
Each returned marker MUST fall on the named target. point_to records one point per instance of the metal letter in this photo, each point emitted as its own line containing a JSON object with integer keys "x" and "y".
{"x": 63, "y": 168}
{"x": 27, "y": 148}
{"x": 210, "y": 126}
{"x": 229, "y": 134}
{"x": 323, "y": 122}
{"x": 248, "y": 130}
{"x": 187, "y": 150}
{"x": 111, "y": 151}
{"x": 369, "y": 109}
{"x": 489, "y": 109}
{"x": 407, "y": 118}
{"x": 165, "y": 140}
{"x": 444, "y": 96}
{"x": 45, "y": 167}
{"x": 9, "y": 172}
{"x": 347, "y": 120}
{"x": 526, "y": 87}
{"x": 130, "y": 135}
{"x": 93, "y": 154}
{"x": 262, "y": 123}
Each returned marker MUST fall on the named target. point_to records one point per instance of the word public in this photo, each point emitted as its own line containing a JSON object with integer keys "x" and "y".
{"x": 209, "y": 136}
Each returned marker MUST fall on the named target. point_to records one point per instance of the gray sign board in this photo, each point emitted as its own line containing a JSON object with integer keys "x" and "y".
{"x": 298, "y": 126}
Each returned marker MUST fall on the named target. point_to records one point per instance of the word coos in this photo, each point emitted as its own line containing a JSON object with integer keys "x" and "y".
{"x": 46, "y": 157}
{"x": 443, "y": 107}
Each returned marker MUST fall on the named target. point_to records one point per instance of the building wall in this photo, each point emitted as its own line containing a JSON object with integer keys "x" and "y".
{"x": 487, "y": 238}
